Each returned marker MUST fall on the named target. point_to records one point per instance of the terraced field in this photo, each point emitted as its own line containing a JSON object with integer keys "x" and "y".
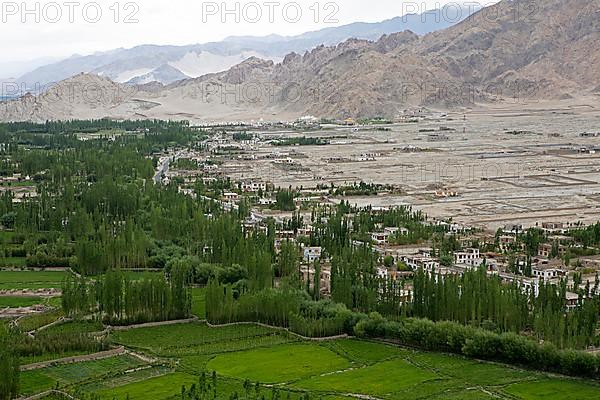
{"x": 67, "y": 375}
{"x": 31, "y": 279}
{"x": 253, "y": 361}
{"x": 18, "y": 301}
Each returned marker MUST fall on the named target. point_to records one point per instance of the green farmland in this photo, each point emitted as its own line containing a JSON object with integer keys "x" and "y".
{"x": 16, "y": 301}
{"x": 31, "y": 279}
{"x": 253, "y": 362}
{"x": 339, "y": 369}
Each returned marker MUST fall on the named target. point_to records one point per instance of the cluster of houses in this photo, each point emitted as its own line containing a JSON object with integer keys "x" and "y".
{"x": 17, "y": 185}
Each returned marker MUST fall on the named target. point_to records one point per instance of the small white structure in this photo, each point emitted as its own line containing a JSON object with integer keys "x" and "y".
{"x": 421, "y": 261}
{"x": 253, "y": 186}
{"x": 230, "y": 196}
{"x": 383, "y": 237}
{"x": 469, "y": 257}
{"x": 311, "y": 254}
{"x": 547, "y": 274}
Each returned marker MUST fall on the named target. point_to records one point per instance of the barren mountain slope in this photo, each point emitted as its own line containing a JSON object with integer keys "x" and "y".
{"x": 515, "y": 49}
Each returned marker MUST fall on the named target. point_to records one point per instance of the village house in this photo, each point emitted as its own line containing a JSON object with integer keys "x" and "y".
{"x": 512, "y": 229}
{"x": 553, "y": 227}
{"x": 506, "y": 242}
{"x": 306, "y": 231}
{"x": 311, "y": 254}
{"x": 285, "y": 234}
{"x": 307, "y": 274}
{"x": 267, "y": 202}
{"x": 253, "y": 187}
{"x": 384, "y": 237}
{"x": 425, "y": 262}
{"x": 469, "y": 257}
{"x": 547, "y": 274}
{"x": 230, "y": 196}
{"x": 545, "y": 249}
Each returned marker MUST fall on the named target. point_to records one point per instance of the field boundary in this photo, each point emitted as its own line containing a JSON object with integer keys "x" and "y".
{"x": 76, "y": 359}
{"x": 152, "y": 324}
{"x": 47, "y": 393}
{"x": 319, "y": 339}
{"x": 58, "y": 322}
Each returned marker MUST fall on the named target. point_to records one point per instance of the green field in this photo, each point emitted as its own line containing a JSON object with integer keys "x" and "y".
{"x": 278, "y": 364}
{"x": 76, "y": 327}
{"x": 12, "y": 262}
{"x": 381, "y": 379}
{"x": 199, "y": 302}
{"x": 31, "y": 279}
{"x": 68, "y": 374}
{"x": 36, "y": 321}
{"x": 330, "y": 370}
{"x": 555, "y": 390}
{"x": 18, "y": 301}
{"x": 189, "y": 338}
{"x": 159, "y": 388}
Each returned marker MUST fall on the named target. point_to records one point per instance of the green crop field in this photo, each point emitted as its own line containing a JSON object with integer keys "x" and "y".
{"x": 331, "y": 370}
{"x": 555, "y": 390}
{"x": 76, "y": 327}
{"x": 31, "y": 279}
{"x": 199, "y": 302}
{"x": 164, "y": 339}
{"x": 278, "y": 364}
{"x": 18, "y": 301}
{"x": 36, "y": 321}
{"x": 381, "y": 379}
{"x": 159, "y": 388}
{"x": 39, "y": 380}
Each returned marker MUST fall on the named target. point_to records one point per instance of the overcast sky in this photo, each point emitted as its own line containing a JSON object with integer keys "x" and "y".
{"x": 62, "y": 28}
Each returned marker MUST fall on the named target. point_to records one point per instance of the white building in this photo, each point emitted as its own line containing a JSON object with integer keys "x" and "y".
{"x": 421, "y": 261}
{"x": 546, "y": 274}
{"x": 311, "y": 254}
{"x": 253, "y": 186}
{"x": 384, "y": 237}
{"x": 469, "y": 257}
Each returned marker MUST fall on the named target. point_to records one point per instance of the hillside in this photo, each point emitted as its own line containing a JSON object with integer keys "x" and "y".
{"x": 505, "y": 52}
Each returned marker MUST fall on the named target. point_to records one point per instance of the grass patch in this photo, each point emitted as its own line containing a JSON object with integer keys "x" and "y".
{"x": 163, "y": 339}
{"x": 278, "y": 364}
{"x": 381, "y": 379}
{"x": 32, "y": 382}
{"x": 554, "y": 390}
{"x": 157, "y": 388}
{"x": 19, "y": 301}
{"x": 51, "y": 356}
{"x": 124, "y": 379}
{"x": 36, "y": 321}
{"x": 363, "y": 352}
{"x": 31, "y": 279}
{"x": 227, "y": 346}
{"x": 199, "y": 302}
{"x": 473, "y": 372}
{"x": 76, "y": 327}
{"x": 67, "y": 374}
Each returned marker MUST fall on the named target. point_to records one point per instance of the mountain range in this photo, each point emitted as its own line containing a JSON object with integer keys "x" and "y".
{"x": 506, "y": 52}
{"x": 167, "y": 64}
